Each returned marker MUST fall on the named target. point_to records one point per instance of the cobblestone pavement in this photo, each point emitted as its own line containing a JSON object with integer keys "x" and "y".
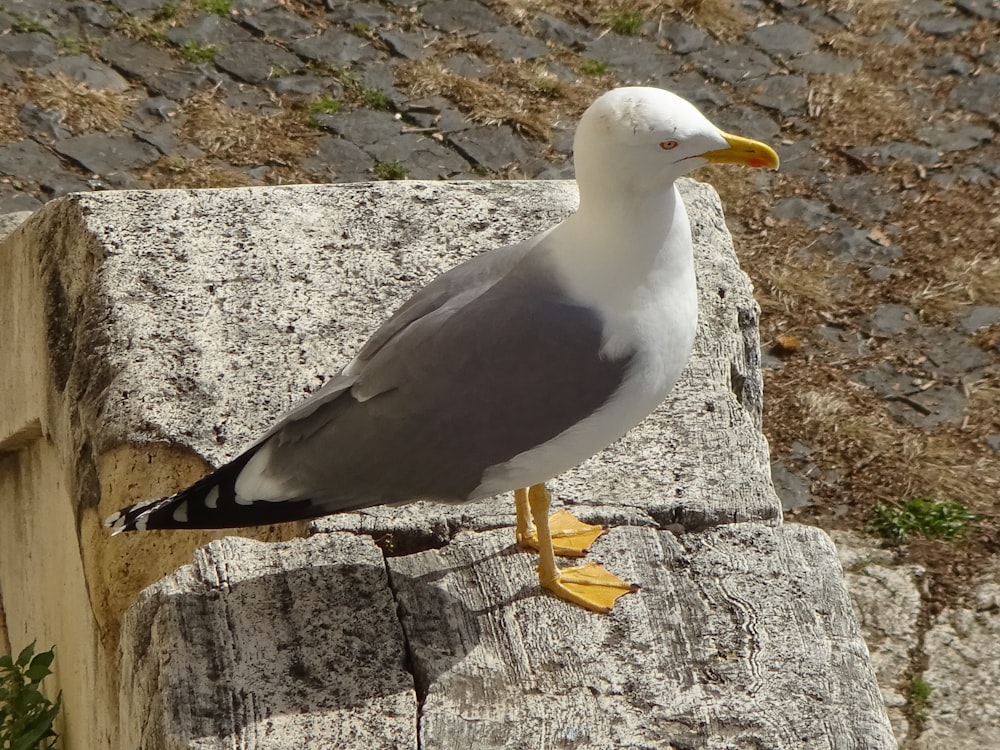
{"x": 874, "y": 250}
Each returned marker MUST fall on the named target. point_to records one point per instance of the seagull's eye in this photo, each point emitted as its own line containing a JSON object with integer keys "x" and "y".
{"x": 669, "y": 145}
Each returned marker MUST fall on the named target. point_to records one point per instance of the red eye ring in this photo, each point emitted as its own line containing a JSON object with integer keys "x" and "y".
{"x": 669, "y": 145}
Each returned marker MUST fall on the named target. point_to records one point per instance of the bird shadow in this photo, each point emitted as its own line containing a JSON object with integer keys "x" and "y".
{"x": 321, "y": 638}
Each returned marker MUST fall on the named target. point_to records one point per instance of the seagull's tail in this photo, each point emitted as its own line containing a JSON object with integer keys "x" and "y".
{"x": 209, "y": 503}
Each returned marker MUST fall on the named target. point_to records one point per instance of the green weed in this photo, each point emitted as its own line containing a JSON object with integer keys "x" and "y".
{"x": 26, "y": 715}
{"x": 627, "y": 23}
{"x": 390, "y": 170}
{"x": 593, "y": 67}
{"x": 194, "y": 51}
{"x": 920, "y": 694}
{"x": 921, "y": 516}
{"x": 218, "y": 7}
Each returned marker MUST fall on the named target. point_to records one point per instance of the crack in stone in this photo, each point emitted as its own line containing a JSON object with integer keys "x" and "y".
{"x": 421, "y": 682}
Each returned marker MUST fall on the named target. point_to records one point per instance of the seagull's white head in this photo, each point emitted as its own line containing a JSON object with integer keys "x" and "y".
{"x": 639, "y": 140}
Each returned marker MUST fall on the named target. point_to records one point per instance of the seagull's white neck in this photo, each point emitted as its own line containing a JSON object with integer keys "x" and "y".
{"x": 617, "y": 244}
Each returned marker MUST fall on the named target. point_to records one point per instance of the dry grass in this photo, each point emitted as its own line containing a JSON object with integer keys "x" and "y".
{"x": 244, "y": 138}
{"x": 523, "y": 95}
{"x": 720, "y": 17}
{"x": 10, "y": 126}
{"x": 85, "y": 109}
{"x": 860, "y": 109}
{"x": 175, "y": 172}
{"x": 950, "y": 250}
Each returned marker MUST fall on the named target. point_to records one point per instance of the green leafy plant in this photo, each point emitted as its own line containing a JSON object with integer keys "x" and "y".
{"x": 166, "y": 11}
{"x": 74, "y": 45}
{"x": 218, "y": 7}
{"x": 627, "y": 23}
{"x": 390, "y": 170}
{"x": 325, "y": 105}
{"x": 921, "y": 516}
{"x": 26, "y": 25}
{"x": 375, "y": 98}
{"x": 26, "y": 715}
{"x": 194, "y": 51}
{"x": 920, "y": 694}
{"x": 593, "y": 67}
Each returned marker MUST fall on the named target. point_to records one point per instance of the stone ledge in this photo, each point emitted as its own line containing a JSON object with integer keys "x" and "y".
{"x": 161, "y": 331}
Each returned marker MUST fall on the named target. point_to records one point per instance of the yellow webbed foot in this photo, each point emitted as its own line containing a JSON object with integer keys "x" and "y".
{"x": 591, "y": 586}
{"x": 571, "y": 537}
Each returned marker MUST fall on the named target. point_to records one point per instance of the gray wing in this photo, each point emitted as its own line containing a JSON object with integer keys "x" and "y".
{"x": 467, "y": 382}
{"x": 452, "y": 289}
{"x": 489, "y": 360}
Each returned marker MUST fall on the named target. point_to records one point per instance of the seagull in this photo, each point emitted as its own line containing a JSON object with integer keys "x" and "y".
{"x": 508, "y": 369}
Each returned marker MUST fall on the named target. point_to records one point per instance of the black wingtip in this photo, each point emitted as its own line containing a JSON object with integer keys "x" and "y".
{"x": 210, "y": 503}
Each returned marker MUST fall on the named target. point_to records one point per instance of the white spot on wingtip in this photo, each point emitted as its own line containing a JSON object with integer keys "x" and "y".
{"x": 212, "y": 498}
{"x": 140, "y": 524}
{"x": 113, "y": 520}
{"x": 181, "y": 513}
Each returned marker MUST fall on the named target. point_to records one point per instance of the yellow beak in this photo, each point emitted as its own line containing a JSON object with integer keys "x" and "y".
{"x": 743, "y": 151}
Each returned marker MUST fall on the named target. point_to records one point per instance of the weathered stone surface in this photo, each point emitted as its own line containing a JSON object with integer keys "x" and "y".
{"x": 980, "y": 316}
{"x": 460, "y": 15}
{"x": 948, "y": 64}
{"x": 793, "y": 490}
{"x": 963, "y": 671}
{"x": 209, "y": 29}
{"x": 27, "y": 159}
{"x": 824, "y": 63}
{"x": 691, "y": 661}
{"x": 155, "y": 68}
{"x": 733, "y": 63}
{"x": 955, "y": 138}
{"x": 28, "y": 50}
{"x": 409, "y": 44}
{"x": 279, "y": 23}
{"x": 17, "y": 201}
{"x": 896, "y": 151}
{"x": 813, "y": 214}
{"x": 100, "y": 153}
{"x": 224, "y": 331}
{"x": 557, "y": 30}
{"x": 338, "y": 160}
{"x": 978, "y": 94}
{"x": 382, "y": 135}
{"x": 355, "y": 14}
{"x": 9, "y": 221}
{"x": 784, "y": 93}
{"x": 981, "y": 8}
{"x": 783, "y": 39}
{"x": 890, "y": 320}
{"x": 887, "y": 602}
{"x": 637, "y": 60}
{"x": 335, "y": 47}
{"x": 867, "y": 196}
{"x": 86, "y": 70}
{"x": 299, "y": 641}
{"x": 255, "y": 61}
{"x": 909, "y": 398}
{"x": 468, "y": 66}
{"x": 490, "y": 147}
{"x": 945, "y": 26}
{"x": 513, "y": 45}
{"x": 683, "y": 38}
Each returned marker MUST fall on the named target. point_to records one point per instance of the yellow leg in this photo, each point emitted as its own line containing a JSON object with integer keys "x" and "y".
{"x": 571, "y": 537}
{"x": 589, "y": 585}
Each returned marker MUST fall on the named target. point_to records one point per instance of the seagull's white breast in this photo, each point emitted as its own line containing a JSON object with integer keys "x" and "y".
{"x": 653, "y": 319}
